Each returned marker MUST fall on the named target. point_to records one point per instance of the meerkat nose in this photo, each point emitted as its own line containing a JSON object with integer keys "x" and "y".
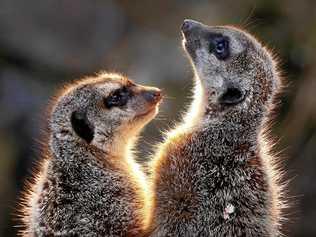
{"x": 153, "y": 96}
{"x": 188, "y": 25}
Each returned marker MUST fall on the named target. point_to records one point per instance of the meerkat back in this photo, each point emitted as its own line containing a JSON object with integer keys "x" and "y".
{"x": 214, "y": 175}
{"x": 88, "y": 183}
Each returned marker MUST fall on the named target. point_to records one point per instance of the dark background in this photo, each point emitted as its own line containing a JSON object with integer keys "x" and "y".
{"x": 48, "y": 42}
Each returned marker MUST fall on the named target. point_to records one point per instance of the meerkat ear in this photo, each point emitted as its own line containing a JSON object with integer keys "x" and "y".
{"x": 81, "y": 125}
{"x": 232, "y": 96}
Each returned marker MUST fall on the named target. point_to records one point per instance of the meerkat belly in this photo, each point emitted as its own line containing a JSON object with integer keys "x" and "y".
{"x": 198, "y": 197}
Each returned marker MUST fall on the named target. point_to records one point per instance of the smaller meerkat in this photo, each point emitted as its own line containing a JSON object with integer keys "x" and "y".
{"x": 89, "y": 183}
{"x": 213, "y": 175}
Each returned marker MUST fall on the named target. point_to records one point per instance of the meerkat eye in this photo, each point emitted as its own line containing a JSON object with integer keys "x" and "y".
{"x": 220, "y": 47}
{"x": 118, "y": 98}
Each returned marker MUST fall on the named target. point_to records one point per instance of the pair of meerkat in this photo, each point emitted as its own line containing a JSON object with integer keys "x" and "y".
{"x": 212, "y": 176}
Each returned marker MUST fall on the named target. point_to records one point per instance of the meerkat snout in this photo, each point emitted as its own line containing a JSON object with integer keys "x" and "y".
{"x": 153, "y": 95}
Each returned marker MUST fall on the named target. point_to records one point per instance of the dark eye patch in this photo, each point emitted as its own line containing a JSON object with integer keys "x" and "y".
{"x": 219, "y": 46}
{"x": 118, "y": 98}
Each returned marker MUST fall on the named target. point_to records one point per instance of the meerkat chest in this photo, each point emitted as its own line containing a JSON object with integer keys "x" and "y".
{"x": 200, "y": 186}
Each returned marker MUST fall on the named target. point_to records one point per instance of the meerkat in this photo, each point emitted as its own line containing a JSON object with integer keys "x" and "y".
{"x": 89, "y": 183}
{"x": 214, "y": 174}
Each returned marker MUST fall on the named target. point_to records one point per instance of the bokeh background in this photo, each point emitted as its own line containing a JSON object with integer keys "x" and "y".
{"x": 49, "y": 42}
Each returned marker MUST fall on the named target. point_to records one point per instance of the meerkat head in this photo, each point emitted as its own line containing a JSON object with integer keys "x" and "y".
{"x": 235, "y": 71}
{"x": 104, "y": 111}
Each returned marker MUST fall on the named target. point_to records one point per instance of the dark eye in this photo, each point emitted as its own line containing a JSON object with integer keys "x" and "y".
{"x": 220, "y": 47}
{"x": 117, "y": 98}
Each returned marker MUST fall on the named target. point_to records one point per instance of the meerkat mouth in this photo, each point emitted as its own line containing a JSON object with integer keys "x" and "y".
{"x": 151, "y": 110}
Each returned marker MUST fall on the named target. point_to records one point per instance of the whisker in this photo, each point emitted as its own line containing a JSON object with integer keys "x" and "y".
{"x": 246, "y": 21}
{"x": 169, "y": 97}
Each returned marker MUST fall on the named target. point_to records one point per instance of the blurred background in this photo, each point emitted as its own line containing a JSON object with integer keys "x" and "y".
{"x": 46, "y": 43}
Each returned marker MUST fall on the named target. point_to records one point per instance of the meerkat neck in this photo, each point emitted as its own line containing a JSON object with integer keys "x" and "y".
{"x": 71, "y": 149}
{"x": 227, "y": 132}
{"x": 66, "y": 151}
{"x": 197, "y": 107}
{"x": 225, "y": 137}
{"x": 192, "y": 118}
{"x": 200, "y": 115}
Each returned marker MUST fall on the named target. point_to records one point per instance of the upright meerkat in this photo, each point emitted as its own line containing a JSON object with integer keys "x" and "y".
{"x": 213, "y": 175}
{"x": 89, "y": 183}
